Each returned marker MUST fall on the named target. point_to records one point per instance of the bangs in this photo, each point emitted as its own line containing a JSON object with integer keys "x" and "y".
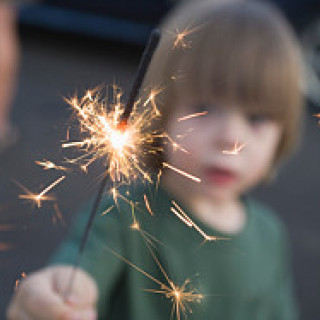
{"x": 259, "y": 76}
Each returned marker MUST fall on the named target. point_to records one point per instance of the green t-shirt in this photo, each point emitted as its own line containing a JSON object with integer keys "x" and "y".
{"x": 244, "y": 278}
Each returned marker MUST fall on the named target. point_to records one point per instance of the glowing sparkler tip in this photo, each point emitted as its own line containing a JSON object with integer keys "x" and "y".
{"x": 106, "y": 135}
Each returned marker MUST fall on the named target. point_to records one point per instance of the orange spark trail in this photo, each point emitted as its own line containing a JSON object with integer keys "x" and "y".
{"x": 236, "y": 149}
{"x": 183, "y": 173}
{"x": 37, "y": 198}
{"x": 191, "y": 116}
{"x": 180, "y": 37}
{"x": 136, "y": 227}
{"x": 107, "y": 210}
{"x": 152, "y": 96}
{"x": 175, "y": 145}
{"x": 147, "y": 203}
{"x": 47, "y": 165}
{"x": 177, "y": 210}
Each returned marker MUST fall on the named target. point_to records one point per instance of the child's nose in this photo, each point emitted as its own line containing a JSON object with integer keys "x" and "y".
{"x": 232, "y": 130}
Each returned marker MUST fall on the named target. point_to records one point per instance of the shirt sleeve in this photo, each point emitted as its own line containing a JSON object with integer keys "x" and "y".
{"x": 98, "y": 258}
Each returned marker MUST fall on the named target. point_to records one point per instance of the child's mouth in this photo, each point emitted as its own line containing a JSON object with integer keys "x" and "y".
{"x": 219, "y": 176}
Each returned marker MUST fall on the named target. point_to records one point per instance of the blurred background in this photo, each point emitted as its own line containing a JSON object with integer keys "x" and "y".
{"x": 55, "y": 48}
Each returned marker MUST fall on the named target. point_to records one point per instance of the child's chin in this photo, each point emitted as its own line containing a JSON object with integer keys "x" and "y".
{"x": 218, "y": 194}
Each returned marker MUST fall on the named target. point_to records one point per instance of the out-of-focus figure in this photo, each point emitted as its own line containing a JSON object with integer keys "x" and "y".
{"x": 9, "y": 53}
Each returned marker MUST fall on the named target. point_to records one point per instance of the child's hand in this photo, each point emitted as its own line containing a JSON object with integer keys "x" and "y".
{"x": 41, "y": 296}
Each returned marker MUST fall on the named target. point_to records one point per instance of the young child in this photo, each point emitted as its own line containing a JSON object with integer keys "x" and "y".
{"x": 241, "y": 67}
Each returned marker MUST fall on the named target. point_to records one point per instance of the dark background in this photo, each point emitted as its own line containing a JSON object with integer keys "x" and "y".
{"x": 56, "y": 64}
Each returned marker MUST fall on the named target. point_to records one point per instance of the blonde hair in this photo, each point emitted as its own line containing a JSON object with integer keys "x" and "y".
{"x": 240, "y": 52}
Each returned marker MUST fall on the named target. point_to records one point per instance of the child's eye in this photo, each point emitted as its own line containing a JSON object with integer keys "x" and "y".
{"x": 258, "y": 119}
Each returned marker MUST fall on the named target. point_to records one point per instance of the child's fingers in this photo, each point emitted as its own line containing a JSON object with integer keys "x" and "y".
{"x": 83, "y": 292}
{"x": 38, "y": 299}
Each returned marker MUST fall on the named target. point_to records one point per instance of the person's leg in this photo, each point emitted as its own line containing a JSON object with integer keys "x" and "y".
{"x": 9, "y": 52}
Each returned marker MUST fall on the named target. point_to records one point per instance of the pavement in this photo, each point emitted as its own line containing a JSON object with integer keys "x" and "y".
{"x": 55, "y": 66}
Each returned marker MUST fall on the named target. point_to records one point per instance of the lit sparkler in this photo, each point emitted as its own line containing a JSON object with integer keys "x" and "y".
{"x": 38, "y": 198}
{"x": 122, "y": 145}
{"x": 177, "y": 210}
{"x": 236, "y": 149}
{"x": 117, "y": 135}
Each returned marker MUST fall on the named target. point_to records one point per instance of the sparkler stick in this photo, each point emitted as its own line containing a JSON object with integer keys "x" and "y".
{"x": 142, "y": 69}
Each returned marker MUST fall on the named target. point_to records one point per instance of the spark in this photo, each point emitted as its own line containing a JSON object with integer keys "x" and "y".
{"x": 107, "y": 210}
{"x": 48, "y": 165}
{"x": 183, "y": 173}
{"x": 147, "y": 203}
{"x": 158, "y": 179}
{"x": 180, "y": 40}
{"x": 23, "y": 276}
{"x": 151, "y": 99}
{"x": 180, "y": 296}
{"x": 177, "y": 210}
{"x": 38, "y": 198}
{"x": 182, "y": 136}
{"x": 149, "y": 238}
{"x": 236, "y": 149}
{"x": 175, "y": 145}
{"x": 84, "y": 168}
{"x": 191, "y": 116}
{"x": 177, "y": 76}
{"x": 122, "y": 146}
{"x": 180, "y": 37}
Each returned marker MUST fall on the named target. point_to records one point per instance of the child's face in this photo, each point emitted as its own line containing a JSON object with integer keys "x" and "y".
{"x": 223, "y": 176}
